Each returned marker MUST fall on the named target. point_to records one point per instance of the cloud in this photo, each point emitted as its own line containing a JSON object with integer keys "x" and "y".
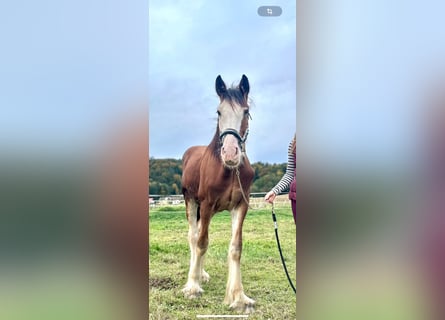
{"x": 191, "y": 45}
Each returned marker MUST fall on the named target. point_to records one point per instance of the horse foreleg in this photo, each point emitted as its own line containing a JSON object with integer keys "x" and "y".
{"x": 196, "y": 273}
{"x": 235, "y": 297}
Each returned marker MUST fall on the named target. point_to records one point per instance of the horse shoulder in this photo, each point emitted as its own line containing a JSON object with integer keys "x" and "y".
{"x": 191, "y": 162}
{"x": 192, "y": 157}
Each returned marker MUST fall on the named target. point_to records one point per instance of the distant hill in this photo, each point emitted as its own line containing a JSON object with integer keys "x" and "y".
{"x": 165, "y": 176}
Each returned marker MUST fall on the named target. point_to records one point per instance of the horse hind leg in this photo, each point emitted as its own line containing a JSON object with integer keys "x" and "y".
{"x": 235, "y": 297}
{"x": 196, "y": 273}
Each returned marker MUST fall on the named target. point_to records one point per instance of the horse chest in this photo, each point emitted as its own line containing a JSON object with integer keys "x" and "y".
{"x": 223, "y": 190}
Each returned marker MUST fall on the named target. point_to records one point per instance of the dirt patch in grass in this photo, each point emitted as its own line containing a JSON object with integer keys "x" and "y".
{"x": 162, "y": 283}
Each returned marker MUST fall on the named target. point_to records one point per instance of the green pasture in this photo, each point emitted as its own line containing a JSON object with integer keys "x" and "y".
{"x": 263, "y": 276}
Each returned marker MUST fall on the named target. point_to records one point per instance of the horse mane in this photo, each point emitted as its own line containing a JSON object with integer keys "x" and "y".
{"x": 234, "y": 95}
{"x": 215, "y": 145}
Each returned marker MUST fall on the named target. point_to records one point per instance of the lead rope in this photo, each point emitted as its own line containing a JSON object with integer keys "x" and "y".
{"x": 274, "y": 218}
{"x": 241, "y": 188}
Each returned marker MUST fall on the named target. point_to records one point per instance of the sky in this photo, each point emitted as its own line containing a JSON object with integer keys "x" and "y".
{"x": 190, "y": 44}
{"x": 67, "y": 67}
{"x": 369, "y": 64}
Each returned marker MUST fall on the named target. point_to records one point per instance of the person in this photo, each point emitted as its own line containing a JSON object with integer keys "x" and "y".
{"x": 288, "y": 180}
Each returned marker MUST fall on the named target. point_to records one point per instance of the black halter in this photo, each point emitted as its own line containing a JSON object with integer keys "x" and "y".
{"x": 241, "y": 140}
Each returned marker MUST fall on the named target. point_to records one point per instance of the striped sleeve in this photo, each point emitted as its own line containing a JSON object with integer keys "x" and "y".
{"x": 287, "y": 178}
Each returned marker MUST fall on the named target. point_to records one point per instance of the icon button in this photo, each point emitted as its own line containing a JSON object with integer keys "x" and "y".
{"x": 270, "y": 11}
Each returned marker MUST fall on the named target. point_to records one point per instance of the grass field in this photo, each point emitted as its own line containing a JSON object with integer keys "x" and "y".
{"x": 263, "y": 276}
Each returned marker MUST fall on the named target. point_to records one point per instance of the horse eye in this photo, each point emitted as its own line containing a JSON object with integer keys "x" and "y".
{"x": 219, "y": 113}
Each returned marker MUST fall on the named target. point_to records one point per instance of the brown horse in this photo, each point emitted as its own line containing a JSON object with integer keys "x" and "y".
{"x": 218, "y": 177}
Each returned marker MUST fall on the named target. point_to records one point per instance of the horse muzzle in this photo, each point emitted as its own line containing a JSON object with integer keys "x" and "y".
{"x": 231, "y": 151}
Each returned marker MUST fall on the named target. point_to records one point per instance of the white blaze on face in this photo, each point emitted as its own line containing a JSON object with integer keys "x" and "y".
{"x": 230, "y": 117}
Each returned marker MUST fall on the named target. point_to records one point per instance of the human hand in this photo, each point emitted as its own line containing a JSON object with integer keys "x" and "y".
{"x": 270, "y": 197}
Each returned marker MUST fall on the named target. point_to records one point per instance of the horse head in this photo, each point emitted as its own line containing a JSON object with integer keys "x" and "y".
{"x": 233, "y": 121}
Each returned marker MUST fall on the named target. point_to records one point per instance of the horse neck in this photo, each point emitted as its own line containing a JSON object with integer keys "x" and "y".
{"x": 215, "y": 145}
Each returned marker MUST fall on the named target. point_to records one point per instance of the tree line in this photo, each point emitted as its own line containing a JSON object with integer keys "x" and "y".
{"x": 165, "y": 176}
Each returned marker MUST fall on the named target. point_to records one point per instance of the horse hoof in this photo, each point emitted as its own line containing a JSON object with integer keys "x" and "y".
{"x": 245, "y": 305}
{"x": 192, "y": 292}
{"x": 205, "y": 276}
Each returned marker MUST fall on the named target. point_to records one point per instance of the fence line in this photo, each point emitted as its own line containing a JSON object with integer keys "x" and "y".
{"x": 256, "y": 200}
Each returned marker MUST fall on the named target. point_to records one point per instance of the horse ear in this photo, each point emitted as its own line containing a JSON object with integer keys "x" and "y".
{"x": 244, "y": 86}
{"x": 220, "y": 87}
